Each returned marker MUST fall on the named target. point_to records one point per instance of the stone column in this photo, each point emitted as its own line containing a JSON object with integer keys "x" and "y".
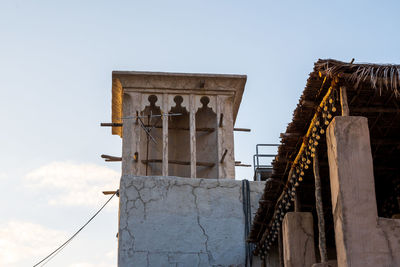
{"x": 225, "y": 137}
{"x": 131, "y": 135}
{"x": 298, "y": 239}
{"x": 165, "y": 135}
{"x": 192, "y": 126}
{"x": 353, "y": 194}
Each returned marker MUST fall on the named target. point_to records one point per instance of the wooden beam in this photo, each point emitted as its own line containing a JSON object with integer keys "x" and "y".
{"x": 242, "y": 165}
{"x": 111, "y": 158}
{"x": 241, "y": 130}
{"x": 320, "y": 210}
{"x": 343, "y": 101}
{"x": 109, "y": 192}
{"x": 110, "y": 124}
{"x": 179, "y": 162}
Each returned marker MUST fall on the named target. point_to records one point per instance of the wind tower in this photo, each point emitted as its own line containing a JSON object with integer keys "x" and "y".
{"x": 176, "y": 124}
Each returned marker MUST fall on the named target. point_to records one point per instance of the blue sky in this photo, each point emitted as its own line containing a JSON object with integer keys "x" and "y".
{"x": 56, "y": 59}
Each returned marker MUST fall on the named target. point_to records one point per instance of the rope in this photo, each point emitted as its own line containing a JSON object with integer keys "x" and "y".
{"x": 57, "y": 250}
{"x": 247, "y": 222}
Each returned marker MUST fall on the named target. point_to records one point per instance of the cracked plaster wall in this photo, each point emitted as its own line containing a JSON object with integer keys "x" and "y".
{"x": 172, "y": 221}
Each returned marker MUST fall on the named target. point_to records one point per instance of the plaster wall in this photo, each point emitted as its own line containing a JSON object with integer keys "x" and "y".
{"x": 362, "y": 239}
{"x": 172, "y": 221}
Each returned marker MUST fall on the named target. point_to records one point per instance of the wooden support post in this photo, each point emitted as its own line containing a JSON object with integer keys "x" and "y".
{"x": 343, "y": 101}
{"x": 280, "y": 248}
{"x": 165, "y": 135}
{"x": 320, "y": 210}
{"x": 297, "y": 203}
{"x": 192, "y": 126}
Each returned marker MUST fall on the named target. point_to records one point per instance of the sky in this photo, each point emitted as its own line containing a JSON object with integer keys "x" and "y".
{"x": 56, "y": 59}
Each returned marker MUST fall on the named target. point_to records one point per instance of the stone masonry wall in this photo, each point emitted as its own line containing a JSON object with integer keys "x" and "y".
{"x": 172, "y": 221}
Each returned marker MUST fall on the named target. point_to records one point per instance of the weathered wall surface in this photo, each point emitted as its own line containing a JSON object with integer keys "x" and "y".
{"x": 298, "y": 239}
{"x": 171, "y": 221}
{"x": 362, "y": 239}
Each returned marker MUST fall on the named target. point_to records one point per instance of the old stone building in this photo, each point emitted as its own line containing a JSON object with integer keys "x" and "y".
{"x": 179, "y": 202}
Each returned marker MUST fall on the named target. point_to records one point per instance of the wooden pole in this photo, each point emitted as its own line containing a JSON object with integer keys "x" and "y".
{"x": 111, "y": 158}
{"x": 280, "y": 247}
{"x": 320, "y": 210}
{"x": 297, "y": 203}
{"x": 192, "y": 126}
{"x": 241, "y": 130}
{"x": 343, "y": 101}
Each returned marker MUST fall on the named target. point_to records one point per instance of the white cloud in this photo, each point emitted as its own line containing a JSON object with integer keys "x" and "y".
{"x": 72, "y": 184}
{"x": 109, "y": 260}
{"x": 20, "y": 241}
{"x": 3, "y": 176}
{"x": 88, "y": 264}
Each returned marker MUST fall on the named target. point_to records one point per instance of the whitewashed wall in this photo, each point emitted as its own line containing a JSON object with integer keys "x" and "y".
{"x": 172, "y": 221}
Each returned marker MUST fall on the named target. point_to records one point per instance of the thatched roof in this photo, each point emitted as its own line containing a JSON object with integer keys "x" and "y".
{"x": 372, "y": 91}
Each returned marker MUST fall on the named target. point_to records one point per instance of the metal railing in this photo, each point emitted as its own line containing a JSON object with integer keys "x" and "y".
{"x": 256, "y": 160}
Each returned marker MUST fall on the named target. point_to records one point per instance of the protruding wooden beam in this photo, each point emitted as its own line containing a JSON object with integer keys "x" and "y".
{"x": 343, "y": 101}
{"x": 242, "y": 165}
{"x": 111, "y": 158}
{"x": 110, "y": 124}
{"x": 109, "y": 192}
{"x": 241, "y": 130}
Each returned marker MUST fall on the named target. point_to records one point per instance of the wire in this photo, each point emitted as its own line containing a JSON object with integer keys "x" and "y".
{"x": 56, "y": 251}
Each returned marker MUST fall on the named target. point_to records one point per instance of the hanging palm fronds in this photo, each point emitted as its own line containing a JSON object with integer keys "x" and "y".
{"x": 380, "y": 77}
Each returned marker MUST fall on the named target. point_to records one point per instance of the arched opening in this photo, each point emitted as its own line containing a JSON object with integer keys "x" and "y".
{"x": 151, "y": 137}
{"x": 178, "y": 140}
{"x": 206, "y": 141}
